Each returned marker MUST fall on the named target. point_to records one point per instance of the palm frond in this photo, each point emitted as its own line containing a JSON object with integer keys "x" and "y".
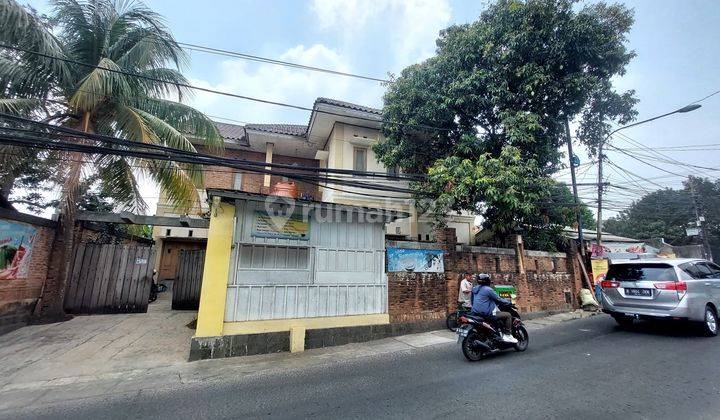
{"x": 145, "y": 48}
{"x": 167, "y": 83}
{"x": 165, "y": 134}
{"x": 18, "y": 79}
{"x": 174, "y": 182}
{"x": 21, "y": 106}
{"x": 185, "y": 119}
{"x": 21, "y": 28}
{"x": 78, "y": 21}
{"x": 126, "y": 123}
{"x": 101, "y": 83}
{"x": 120, "y": 183}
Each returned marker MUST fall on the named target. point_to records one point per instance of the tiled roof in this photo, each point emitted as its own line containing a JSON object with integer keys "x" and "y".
{"x": 237, "y": 133}
{"x": 348, "y": 105}
{"x": 288, "y": 129}
{"x": 231, "y": 131}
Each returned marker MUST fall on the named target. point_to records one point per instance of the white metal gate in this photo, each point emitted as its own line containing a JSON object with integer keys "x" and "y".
{"x": 338, "y": 270}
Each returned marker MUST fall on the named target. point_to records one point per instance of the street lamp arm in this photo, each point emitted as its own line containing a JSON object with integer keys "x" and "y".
{"x": 687, "y": 108}
{"x": 684, "y": 109}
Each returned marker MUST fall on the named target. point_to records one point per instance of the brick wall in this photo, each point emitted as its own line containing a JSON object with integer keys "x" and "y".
{"x": 19, "y": 296}
{"x": 551, "y": 282}
{"x": 222, "y": 177}
{"x": 416, "y": 296}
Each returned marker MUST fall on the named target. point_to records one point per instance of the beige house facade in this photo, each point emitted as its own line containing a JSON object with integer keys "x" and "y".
{"x": 339, "y": 135}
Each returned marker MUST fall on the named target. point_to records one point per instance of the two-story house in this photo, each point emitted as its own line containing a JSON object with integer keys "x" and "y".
{"x": 339, "y": 135}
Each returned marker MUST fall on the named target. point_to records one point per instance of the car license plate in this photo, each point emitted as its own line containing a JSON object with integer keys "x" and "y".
{"x": 638, "y": 292}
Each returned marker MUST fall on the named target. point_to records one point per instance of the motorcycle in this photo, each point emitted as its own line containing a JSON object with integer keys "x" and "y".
{"x": 480, "y": 337}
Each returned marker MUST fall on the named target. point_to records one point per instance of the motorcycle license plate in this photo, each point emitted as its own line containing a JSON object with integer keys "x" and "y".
{"x": 462, "y": 333}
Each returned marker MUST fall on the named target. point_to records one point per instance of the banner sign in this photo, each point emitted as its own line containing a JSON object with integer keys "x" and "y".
{"x": 599, "y": 269}
{"x": 16, "y": 242}
{"x": 617, "y": 248}
{"x": 415, "y": 260}
{"x": 282, "y": 226}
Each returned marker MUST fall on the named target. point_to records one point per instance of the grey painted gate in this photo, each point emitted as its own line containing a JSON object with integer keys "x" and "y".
{"x": 186, "y": 287}
{"x": 110, "y": 278}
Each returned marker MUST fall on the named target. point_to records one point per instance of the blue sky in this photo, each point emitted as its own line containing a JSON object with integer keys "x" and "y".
{"x": 676, "y": 41}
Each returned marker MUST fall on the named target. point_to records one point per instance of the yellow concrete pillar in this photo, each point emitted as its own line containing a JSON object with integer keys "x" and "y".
{"x": 211, "y": 313}
{"x": 297, "y": 339}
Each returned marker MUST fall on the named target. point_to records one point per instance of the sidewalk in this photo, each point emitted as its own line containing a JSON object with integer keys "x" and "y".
{"x": 88, "y": 369}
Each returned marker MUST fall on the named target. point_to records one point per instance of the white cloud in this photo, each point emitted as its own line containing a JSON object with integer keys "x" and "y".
{"x": 411, "y": 26}
{"x": 281, "y": 84}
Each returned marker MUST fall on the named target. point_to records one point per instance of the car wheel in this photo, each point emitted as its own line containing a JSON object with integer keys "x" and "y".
{"x": 624, "y": 320}
{"x": 710, "y": 325}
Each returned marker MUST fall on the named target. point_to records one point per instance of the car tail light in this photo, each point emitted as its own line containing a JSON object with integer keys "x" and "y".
{"x": 679, "y": 286}
{"x": 609, "y": 284}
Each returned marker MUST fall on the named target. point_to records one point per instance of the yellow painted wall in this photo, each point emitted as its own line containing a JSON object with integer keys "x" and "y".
{"x": 275, "y": 325}
{"x": 211, "y": 313}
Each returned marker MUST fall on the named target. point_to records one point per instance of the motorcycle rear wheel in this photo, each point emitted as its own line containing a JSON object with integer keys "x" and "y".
{"x": 452, "y": 321}
{"x": 523, "y": 338}
{"x": 471, "y": 354}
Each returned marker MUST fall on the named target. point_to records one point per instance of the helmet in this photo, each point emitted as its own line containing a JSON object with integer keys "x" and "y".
{"x": 484, "y": 279}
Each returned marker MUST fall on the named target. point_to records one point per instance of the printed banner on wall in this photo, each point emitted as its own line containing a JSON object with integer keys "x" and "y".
{"x": 617, "y": 247}
{"x": 16, "y": 242}
{"x": 599, "y": 269}
{"x": 283, "y": 227}
{"x": 415, "y": 260}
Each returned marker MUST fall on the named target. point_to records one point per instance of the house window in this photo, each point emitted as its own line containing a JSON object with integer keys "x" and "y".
{"x": 360, "y": 159}
{"x": 190, "y": 233}
{"x": 167, "y": 232}
{"x": 237, "y": 181}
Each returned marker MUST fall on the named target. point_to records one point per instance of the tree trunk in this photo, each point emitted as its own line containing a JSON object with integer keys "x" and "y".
{"x": 56, "y": 284}
{"x": 6, "y": 185}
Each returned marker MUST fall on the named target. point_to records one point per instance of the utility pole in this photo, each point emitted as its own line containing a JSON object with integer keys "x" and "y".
{"x": 700, "y": 221}
{"x": 574, "y": 186}
{"x": 598, "y": 231}
{"x": 685, "y": 109}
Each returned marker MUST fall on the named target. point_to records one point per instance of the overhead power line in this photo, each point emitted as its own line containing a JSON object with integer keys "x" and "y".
{"x": 252, "y": 57}
{"x": 222, "y": 93}
{"x": 162, "y": 153}
{"x": 207, "y": 159}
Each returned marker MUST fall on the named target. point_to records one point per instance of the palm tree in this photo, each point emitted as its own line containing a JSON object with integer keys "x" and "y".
{"x": 109, "y": 35}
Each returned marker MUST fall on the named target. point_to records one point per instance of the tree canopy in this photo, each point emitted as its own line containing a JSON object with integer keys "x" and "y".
{"x": 667, "y": 213}
{"x": 485, "y": 117}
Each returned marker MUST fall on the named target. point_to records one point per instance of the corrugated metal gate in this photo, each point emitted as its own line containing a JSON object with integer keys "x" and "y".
{"x": 337, "y": 271}
{"x": 110, "y": 278}
{"x": 186, "y": 286}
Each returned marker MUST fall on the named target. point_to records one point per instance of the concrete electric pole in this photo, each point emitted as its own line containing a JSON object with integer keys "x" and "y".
{"x": 574, "y": 187}
{"x": 700, "y": 221}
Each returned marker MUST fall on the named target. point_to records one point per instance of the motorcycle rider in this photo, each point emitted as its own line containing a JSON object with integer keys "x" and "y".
{"x": 484, "y": 303}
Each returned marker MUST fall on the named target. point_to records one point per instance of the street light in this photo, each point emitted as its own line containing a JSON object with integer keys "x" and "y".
{"x": 687, "y": 108}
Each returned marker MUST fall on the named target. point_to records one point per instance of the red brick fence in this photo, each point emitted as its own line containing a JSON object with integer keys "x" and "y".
{"x": 545, "y": 281}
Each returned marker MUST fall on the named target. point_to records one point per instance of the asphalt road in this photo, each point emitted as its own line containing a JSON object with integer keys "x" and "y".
{"x": 579, "y": 369}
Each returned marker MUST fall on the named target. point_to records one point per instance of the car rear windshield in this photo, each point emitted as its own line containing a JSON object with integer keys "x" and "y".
{"x": 640, "y": 272}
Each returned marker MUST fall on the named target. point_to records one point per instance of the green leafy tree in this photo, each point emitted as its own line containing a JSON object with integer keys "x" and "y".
{"x": 113, "y": 36}
{"x": 667, "y": 213}
{"x": 494, "y": 100}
